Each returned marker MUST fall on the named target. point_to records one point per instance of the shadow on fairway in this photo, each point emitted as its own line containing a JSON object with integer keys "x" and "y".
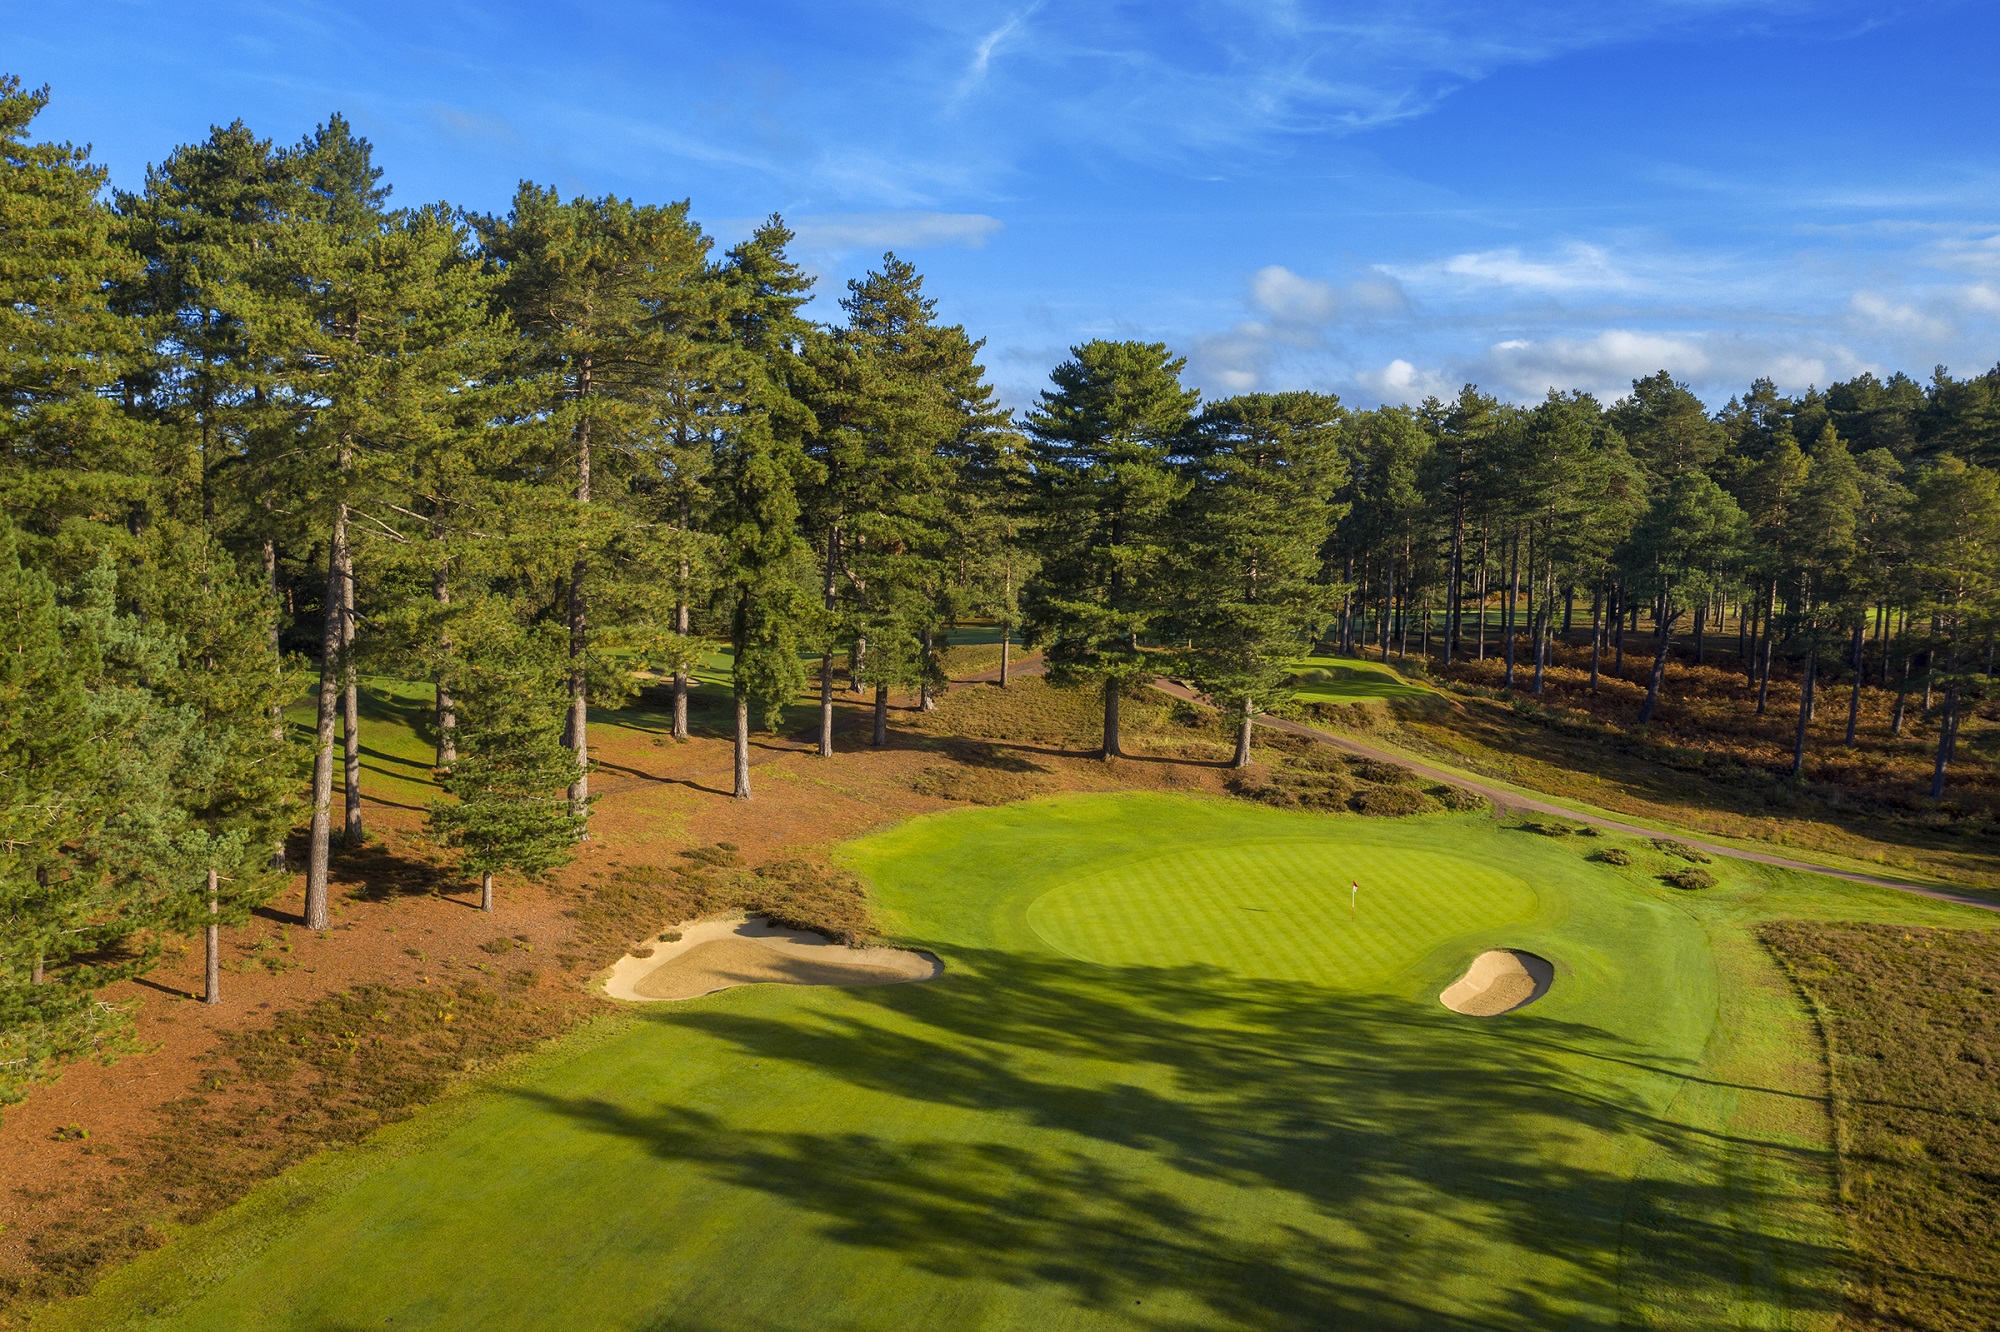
{"x": 1373, "y": 1118}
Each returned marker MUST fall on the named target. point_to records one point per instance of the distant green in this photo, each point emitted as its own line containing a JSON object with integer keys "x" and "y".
{"x": 1174, "y": 1076}
{"x": 1349, "y": 680}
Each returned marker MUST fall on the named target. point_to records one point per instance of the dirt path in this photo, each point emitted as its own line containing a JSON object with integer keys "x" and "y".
{"x": 1505, "y": 800}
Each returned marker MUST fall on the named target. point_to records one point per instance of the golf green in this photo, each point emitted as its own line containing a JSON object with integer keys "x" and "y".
{"x": 1173, "y": 1077}
{"x": 1279, "y": 911}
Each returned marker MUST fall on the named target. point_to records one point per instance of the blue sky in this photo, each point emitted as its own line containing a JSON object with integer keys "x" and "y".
{"x": 1383, "y": 198}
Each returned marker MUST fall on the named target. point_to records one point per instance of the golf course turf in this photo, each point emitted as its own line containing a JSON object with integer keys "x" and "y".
{"x": 1175, "y": 1075}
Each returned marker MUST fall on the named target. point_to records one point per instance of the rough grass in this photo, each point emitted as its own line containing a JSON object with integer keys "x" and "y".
{"x": 635, "y": 901}
{"x": 1912, "y": 1026}
{"x": 329, "y": 1073}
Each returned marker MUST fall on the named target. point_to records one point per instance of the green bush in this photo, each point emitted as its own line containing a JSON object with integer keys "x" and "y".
{"x": 1615, "y": 855}
{"x": 1690, "y": 878}
{"x": 1392, "y": 802}
{"x": 1681, "y": 849}
{"x": 1456, "y": 797}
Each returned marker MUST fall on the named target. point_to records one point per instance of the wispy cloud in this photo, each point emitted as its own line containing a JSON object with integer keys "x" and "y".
{"x": 906, "y": 230}
{"x": 1576, "y": 267}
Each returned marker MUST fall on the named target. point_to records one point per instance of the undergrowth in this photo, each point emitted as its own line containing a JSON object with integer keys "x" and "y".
{"x": 328, "y": 1073}
{"x": 1912, "y": 1022}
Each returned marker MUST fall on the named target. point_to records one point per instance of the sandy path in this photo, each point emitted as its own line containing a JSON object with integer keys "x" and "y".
{"x": 1505, "y": 800}
{"x": 714, "y": 955}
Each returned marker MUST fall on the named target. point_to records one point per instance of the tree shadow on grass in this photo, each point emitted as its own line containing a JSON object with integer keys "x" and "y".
{"x": 1359, "y": 1122}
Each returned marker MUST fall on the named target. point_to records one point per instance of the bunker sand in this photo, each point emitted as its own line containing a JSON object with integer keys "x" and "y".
{"x": 1499, "y": 981}
{"x": 715, "y": 955}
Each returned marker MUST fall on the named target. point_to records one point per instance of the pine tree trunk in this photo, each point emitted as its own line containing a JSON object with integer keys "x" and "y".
{"x": 1659, "y": 674}
{"x": 277, "y": 861}
{"x": 277, "y": 640}
{"x": 1507, "y": 610}
{"x": 828, "y": 596}
{"x": 681, "y": 627}
{"x": 857, "y": 664}
{"x": 39, "y": 973}
{"x": 1700, "y": 623}
{"x": 350, "y": 710}
{"x": 1596, "y": 633}
{"x": 1806, "y": 682}
{"x": 742, "y": 744}
{"x": 212, "y": 991}
{"x": 1006, "y": 636}
{"x": 1947, "y": 738}
{"x": 1618, "y": 635}
{"x": 826, "y": 704}
{"x": 579, "y": 701}
{"x": 321, "y": 841}
{"x": 486, "y": 892}
{"x": 1111, "y": 749}
{"x": 926, "y": 700}
{"x": 1902, "y": 696}
{"x": 1854, "y": 693}
{"x": 579, "y": 625}
{"x": 447, "y": 709}
{"x": 1241, "y": 759}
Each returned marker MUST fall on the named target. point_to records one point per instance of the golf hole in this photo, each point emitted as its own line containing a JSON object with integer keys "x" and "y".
{"x": 1499, "y": 980}
{"x": 713, "y": 955}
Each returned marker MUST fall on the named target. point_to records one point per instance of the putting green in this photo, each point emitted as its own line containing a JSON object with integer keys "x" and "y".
{"x": 1160, "y": 1085}
{"x": 1280, "y": 910}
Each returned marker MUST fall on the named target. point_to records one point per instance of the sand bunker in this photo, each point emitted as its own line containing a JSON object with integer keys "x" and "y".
{"x": 1499, "y": 981}
{"x": 713, "y": 955}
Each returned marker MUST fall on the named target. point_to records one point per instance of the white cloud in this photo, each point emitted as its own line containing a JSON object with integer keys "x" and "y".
{"x": 1235, "y": 361}
{"x": 902, "y": 230}
{"x": 1293, "y": 301}
{"x": 1578, "y": 267}
{"x": 1981, "y": 296}
{"x": 1605, "y": 364}
{"x": 1878, "y": 313}
{"x": 1980, "y": 256}
{"x": 1402, "y": 381}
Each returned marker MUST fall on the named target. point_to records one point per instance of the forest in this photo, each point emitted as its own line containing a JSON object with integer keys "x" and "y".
{"x": 266, "y": 433}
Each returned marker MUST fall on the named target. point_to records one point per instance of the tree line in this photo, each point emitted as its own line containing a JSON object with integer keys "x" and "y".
{"x": 264, "y": 432}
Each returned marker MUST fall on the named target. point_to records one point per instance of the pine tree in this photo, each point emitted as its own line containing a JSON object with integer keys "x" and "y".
{"x": 511, "y": 807}
{"x": 66, "y": 451}
{"x": 1105, "y": 438}
{"x": 376, "y": 324}
{"x": 1259, "y": 511}
{"x": 619, "y": 313}
{"x": 764, "y": 569}
{"x": 235, "y": 776}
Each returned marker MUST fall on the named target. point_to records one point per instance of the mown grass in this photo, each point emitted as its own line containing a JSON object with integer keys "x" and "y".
{"x": 1912, "y": 1023}
{"x": 1349, "y": 680}
{"x": 1284, "y": 1129}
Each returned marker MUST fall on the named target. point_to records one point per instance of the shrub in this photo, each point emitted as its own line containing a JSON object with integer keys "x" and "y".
{"x": 1392, "y": 802}
{"x": 1690, "y": 878}
{"x": 670, "y": 936}
{"x": 1547, "y": 829}
{"x": 1456, "y": 797}
{"x": 1681, "y": 849}
{"x": 1380, "y": 772}
{"x": 1615, "y": 855}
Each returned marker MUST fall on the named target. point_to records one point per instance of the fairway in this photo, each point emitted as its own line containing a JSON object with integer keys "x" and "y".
{"x": 1167, "y": 1080}
{"x": 1349, "y": 680}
